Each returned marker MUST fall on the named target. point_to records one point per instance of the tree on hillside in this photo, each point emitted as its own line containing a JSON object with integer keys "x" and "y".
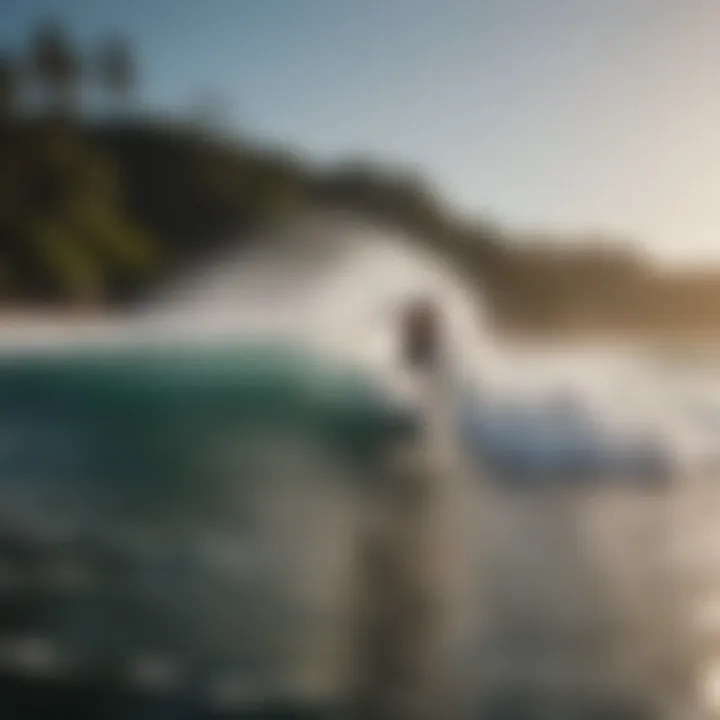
{"x": 116, "y": 69}
{"x": 64, "y": 235}
{"x": 56, "y": 67}
{"x": 9, "y": 86}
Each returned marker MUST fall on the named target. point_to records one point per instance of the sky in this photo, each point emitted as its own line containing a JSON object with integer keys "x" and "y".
{"x": 569, "y": 116}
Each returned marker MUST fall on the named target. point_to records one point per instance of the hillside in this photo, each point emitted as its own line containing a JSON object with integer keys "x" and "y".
{"x": 98, "y": 214}
{"x": 97, "y": 208}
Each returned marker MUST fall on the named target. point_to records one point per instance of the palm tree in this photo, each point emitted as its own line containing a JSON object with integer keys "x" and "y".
{"x": 56, "y": 67}
{"x": 116, "y": 69}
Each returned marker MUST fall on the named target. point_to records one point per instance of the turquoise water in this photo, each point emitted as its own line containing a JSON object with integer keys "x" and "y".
{"x": 207, "y": 496}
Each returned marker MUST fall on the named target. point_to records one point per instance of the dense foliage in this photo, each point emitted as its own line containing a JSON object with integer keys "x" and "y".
{"x": 97, "y": 208}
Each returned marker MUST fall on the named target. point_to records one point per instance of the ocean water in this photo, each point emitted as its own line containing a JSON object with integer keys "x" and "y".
{"x": 262, "y": 601}
{"x": 575, "y": 606}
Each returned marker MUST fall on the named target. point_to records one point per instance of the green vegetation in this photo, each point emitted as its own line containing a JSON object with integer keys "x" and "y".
{"x": 97, "y": 211}
{"x": 65, "y": 233}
